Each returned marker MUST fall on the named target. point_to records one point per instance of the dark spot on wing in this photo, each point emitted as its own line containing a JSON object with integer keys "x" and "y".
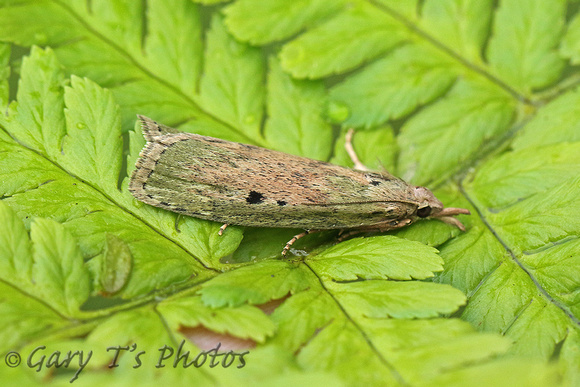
{"x": 255, "y": 197}
{"x": 375, "y": 182}
{"x": 281, "y": 202}
{"x": 164, "y": 203}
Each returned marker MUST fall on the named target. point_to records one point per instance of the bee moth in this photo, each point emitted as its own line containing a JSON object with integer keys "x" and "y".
{"x": 246, "y": 185}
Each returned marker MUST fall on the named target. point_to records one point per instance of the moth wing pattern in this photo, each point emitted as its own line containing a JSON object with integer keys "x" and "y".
{"x": 245, "y": 185}
{"x": 152, "y": 129}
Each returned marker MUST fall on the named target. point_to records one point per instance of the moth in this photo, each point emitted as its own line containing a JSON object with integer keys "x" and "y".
{"x": 246, "y": 185}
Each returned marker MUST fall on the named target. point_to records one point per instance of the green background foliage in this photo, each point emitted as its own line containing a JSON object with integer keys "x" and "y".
{"x": 476, "y": 99}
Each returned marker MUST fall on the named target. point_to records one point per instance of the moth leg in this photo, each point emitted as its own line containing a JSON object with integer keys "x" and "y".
{"x": 222, "y": 229}
{"x": 294, "y": 239}
{"x": 387, "y": 226}
{"x": 351, "y": 153}
{"x": 177, "y": 219}
{"x": 345, "y": 235}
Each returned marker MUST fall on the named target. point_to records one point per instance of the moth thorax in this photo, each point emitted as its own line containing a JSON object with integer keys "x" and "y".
{"x": 426, "y": 199}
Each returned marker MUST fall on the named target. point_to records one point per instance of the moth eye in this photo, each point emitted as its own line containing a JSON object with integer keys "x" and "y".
{"x": 424, "y": 212}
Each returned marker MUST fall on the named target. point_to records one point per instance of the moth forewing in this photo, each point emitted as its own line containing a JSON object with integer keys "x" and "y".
{"x": 246, "y": 185}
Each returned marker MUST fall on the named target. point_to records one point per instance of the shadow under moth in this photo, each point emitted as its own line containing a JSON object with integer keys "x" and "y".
{"x": 246, "y": 185}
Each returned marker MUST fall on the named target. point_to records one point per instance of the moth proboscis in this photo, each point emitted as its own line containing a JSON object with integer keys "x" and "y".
{"x": 246, "y": 185}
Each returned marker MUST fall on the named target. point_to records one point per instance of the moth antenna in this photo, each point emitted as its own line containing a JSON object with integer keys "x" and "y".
{"x": 364, "y": 202}
{"x": 351, "y": 153}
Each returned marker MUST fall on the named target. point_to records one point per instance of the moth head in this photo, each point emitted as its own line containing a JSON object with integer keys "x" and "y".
{"x": 430, "y": 206}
